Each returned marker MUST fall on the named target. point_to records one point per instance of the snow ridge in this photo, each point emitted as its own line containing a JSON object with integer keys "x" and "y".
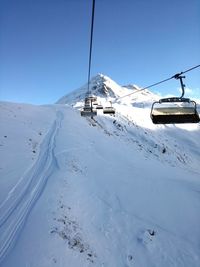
{"x": 101, "y": 86}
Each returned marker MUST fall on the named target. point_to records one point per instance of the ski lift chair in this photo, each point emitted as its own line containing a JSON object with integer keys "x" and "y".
{"x": 175, "y": 109}
{"x": 88, "y": 110}
{"x": 109, "y": 110}
{"x": 99, "y": 106}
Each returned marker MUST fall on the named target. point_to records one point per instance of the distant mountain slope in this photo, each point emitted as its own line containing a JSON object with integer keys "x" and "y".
{"x": 133, "y": 115}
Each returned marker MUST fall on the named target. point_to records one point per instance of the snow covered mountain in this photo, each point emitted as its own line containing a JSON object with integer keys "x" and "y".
{"x": 109, "y": 191}
{"x": 106, "y": 89}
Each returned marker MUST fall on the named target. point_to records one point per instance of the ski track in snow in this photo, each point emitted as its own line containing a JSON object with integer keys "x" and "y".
{"x": 23, "y": 196}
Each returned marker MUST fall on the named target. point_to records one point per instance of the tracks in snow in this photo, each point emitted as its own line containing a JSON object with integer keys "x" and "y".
{"x": 21, "y": 199}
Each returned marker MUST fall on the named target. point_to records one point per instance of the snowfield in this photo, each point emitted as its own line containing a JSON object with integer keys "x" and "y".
{"x": 109, "y": 191}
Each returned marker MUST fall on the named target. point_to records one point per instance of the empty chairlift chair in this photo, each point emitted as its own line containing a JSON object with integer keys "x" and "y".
{"x": 99, "y": 106}
{"x": 175, "y": 109}
{"x": 109, "y": 110}
{"x": 88, "y": 110}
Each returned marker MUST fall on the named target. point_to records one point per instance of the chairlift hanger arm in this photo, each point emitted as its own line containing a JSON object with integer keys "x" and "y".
{"x": 179, "y": 77}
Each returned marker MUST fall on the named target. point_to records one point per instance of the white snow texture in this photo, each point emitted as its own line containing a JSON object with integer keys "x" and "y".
{"x": 112, "y": 191}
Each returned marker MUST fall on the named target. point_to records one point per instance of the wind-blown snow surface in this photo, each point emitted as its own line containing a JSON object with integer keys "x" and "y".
{"x": 113, "y": 191}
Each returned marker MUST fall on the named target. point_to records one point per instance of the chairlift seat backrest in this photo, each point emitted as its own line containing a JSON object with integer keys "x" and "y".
{"x": 174, "y": 99}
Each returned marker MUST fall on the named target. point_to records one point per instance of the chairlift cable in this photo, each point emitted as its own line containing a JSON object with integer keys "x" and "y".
{"x": 88, "y": 110}
{"x": 146, "y": 88}
{"x": 91, "y": 41}
{"x": 155, "y": 84}
{"x": 190, "y": 69}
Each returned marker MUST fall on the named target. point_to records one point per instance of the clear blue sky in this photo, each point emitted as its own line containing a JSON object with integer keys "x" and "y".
{"x": 44, "y": 45}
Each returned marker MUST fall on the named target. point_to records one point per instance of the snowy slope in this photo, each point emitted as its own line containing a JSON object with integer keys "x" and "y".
{"x": 133, "y": 117}
{"x": 113, "y": 191}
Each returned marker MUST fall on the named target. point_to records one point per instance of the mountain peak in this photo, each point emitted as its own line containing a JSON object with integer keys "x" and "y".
{"x": 103, "y": 86}
{"x": 100, "y": 85}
